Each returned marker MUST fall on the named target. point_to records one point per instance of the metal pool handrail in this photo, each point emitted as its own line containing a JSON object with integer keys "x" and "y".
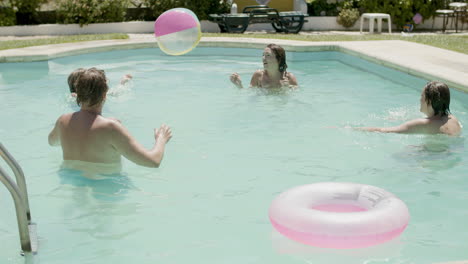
{"x": 19, "y": 194}
{"x": 19, "y": 175}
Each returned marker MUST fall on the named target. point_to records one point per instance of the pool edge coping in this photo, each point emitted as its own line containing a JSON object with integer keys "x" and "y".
{"x": 382, "y": 52}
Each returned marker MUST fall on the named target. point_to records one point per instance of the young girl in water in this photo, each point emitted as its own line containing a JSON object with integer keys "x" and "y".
{"x": 274, "y": 74}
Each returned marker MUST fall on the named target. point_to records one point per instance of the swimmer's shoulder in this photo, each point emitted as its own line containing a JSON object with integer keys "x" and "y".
{"x": 452, "y": 118}
{"x": 111, "y": 124}
{"x": 114, "y": 128}
{"x": 454, "y": 127}
{"x": 256, "y": 80}
{"x": 291, "y": 78}
{"x": 114, "y": 120}
{"x": 65, "y": 118}
{"x": 258, "y": 73}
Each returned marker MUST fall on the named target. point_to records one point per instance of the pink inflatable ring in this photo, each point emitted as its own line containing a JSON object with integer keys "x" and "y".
{"x": 339, "y": 215}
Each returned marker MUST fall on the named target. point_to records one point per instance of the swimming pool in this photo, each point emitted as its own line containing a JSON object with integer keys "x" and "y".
{"x": 232, "y": 152}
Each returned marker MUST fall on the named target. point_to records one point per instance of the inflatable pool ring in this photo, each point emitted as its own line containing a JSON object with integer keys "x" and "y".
{"x": 339, "y": 215}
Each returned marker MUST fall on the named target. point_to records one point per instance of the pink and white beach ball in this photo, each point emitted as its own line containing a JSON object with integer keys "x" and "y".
{"x": 177, "y": 31}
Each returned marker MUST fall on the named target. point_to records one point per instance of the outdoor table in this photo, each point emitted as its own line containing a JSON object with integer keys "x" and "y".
{"x": 458, "y": 8}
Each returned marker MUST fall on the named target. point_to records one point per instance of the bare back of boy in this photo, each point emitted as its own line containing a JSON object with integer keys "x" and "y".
{"x": 88, "y": 137}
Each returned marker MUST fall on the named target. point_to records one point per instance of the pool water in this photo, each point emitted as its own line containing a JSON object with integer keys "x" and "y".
{"x": 233, "y": 150}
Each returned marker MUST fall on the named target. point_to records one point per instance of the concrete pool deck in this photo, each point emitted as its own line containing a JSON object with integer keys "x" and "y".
{"x": 416, "y": 59}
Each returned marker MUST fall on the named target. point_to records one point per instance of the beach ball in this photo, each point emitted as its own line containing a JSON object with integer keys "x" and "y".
{"x": 177, "y": 31}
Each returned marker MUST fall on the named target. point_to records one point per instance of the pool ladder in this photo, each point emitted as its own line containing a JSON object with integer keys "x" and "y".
{"x": 27, "y": 229}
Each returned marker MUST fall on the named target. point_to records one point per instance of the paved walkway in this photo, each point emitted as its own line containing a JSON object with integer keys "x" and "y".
{"x": 421, "y": 60}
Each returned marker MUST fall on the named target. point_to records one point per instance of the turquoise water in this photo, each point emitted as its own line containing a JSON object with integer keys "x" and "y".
{"x": 233, "y": 150}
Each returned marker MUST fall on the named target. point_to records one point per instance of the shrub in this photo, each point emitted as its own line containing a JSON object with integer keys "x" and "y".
{"x": 202, "y": 8}
{"x": 348, "y": 17}
{"x": 347, "y": 4}
{"x": 321, "y": 8}
{"x": 26, "y": 10}
{"x": 138, "y": 13}
{"x": 427, "y": 8}
{"x": 85, "y": 12}
{"x": 7, "y": 16}
{"x": 402, "y": 11}
{"x": 47, "y": 17}
{"x": 156, "y": 8}
{"x": 27, "y": 5}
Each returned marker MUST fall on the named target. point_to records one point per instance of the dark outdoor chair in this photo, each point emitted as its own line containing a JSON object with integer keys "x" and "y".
{"x": 460, "y": 9}
{"x": 287, "y": 22}
{"x": 446, "y": 13}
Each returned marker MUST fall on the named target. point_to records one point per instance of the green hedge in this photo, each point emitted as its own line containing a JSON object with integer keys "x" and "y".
{"x": 99, "y": 11}
{"x": 202, "y": 8}
{"x": 21, "y": 12}
{"x": 7, "y": 16}
{"x": 321, "y": 8}
{"x": 402, "y": 11}
{"x": 84, "y": 12}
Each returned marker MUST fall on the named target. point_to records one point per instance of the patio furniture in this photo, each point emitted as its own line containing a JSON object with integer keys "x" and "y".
{"x": 446, "y": 14}
{"x": 379, "y": 16}
{"x": 459, "y": 10}
{"x": 287, "y": 22}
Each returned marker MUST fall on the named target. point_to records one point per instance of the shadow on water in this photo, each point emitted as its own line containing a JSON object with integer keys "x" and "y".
{"x": 435, "y": 153}
{"x": 109, "y": 187}
{"x": 310, "y": 254}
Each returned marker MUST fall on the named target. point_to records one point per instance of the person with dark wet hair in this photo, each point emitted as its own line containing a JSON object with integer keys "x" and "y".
{"x": 437, "y": 94}
{"x": 273, "y": 74}
{"x": 87, "y": 137}
{"x": 435, "y": 104}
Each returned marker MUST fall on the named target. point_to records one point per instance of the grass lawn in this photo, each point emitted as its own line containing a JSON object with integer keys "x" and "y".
{"x": 450, "y": 42}
{"x": 22, "y": 43}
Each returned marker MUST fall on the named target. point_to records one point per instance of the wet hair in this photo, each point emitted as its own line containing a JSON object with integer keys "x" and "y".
{"x": 91, "y": 86}
{"x": 438, "y": 95}
{"x": 280, "y": 55}
{"x": 72, "y": 79}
